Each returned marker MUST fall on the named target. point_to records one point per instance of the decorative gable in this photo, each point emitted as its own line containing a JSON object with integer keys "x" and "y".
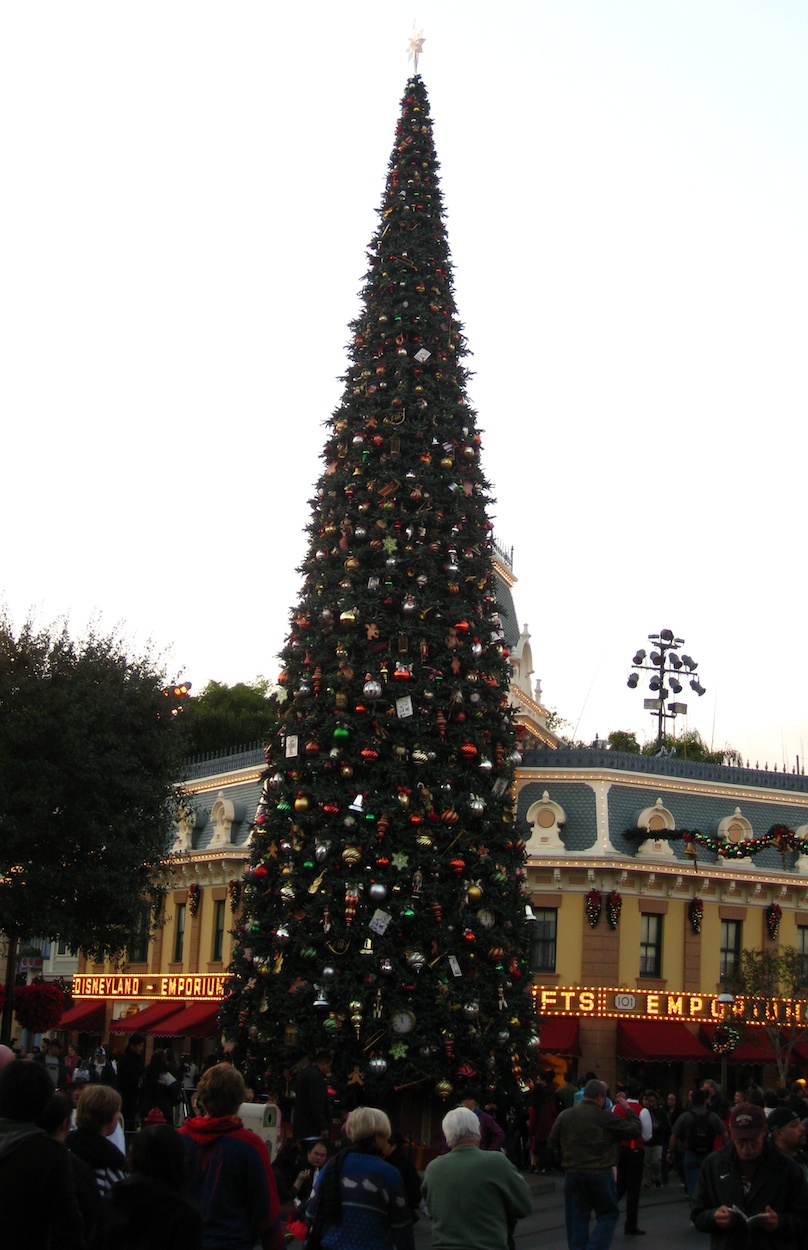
{"x": 224, "y": 814}
{"x": 187, "y": 820}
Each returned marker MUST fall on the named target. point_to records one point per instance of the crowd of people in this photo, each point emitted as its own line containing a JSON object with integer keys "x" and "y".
{"x": 116, "y": 1152}
{"x": 744, "y": 1167}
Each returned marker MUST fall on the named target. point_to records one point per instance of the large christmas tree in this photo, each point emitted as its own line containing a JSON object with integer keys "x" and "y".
{"x": 385, "y": 913}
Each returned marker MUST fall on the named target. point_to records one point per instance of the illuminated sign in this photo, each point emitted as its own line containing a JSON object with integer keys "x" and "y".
{"x": 602, "y": 1002}
{"x": 159, "y": 986}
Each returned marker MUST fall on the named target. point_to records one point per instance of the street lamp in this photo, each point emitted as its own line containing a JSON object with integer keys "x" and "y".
{"x": 665, "y": 663}
{"x": 178, "y": 692}
{"x": 726, "y": 999}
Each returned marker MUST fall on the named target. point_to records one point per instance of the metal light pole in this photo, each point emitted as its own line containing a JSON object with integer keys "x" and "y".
{"x": 726, "y": 999}
{"x": 665, "y": 664}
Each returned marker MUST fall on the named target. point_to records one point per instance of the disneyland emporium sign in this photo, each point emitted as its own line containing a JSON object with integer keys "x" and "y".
{"x": 160, "y": 987}
{"x": 602, "y": 1002}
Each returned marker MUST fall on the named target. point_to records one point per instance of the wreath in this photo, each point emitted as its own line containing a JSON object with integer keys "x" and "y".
{"x": 593, "y": 906}
{"x": 234, "y": 890}
{"x": 725, "y": 1039}
{"x": 695, "y": 914}
{"x": 194, "y": 897}
{"x": 614, "y": 903}
{"x": 774, "y": 914}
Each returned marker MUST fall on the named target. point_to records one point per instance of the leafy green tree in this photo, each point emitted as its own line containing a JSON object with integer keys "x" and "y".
{"x": 221, "y": 717}
{"x": 385, "y": 906}
{"x": 555, "y": 722}
{"x": 690, "y": 745}
{"x": 88, "y": 758}
{"x": 763, "y": 981}
{"x": 624, "y": 740}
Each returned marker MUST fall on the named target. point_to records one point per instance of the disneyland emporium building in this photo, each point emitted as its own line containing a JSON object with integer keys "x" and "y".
{"x": 649, "y": 876}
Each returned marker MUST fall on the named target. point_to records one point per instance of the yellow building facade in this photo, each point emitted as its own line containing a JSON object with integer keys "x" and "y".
{"x": 648, "y": 877}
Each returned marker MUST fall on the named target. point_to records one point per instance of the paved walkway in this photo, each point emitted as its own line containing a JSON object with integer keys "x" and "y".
{"x": 664, "y": 1214}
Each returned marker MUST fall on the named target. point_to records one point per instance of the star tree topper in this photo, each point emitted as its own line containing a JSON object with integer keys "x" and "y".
{"x": 416, "y": 46}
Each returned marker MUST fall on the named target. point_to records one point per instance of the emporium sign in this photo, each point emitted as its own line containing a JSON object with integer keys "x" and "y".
{"x": 166, "y": 987}
{"x": 602, "y": 1002}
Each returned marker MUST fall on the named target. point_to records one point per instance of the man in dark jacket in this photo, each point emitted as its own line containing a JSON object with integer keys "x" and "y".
{"x": 37, "y": 1198}
{"x": 587, "y": 1138}
{"x": 787, "y": 1134}
{"x": 131, "y": 1067}
{"x": 695, "y": 1132}
{"x": 101, "y": 1069}
{"x": 50, "y": 1056}
{"x": 749, "y": 1193}
{"x": 311, "y": 1114}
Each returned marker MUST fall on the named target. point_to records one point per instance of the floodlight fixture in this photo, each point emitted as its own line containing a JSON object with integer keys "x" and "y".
{"x": 664, "y": 662}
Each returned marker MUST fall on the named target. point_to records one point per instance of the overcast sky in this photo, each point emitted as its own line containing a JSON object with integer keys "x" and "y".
{"x": 188, "y": 192}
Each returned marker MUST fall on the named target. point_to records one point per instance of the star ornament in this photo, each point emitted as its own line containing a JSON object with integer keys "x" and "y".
{"x": 416, "y": 47}
{"x": 398, "y": 1050}
{"x": 399, "y": 860}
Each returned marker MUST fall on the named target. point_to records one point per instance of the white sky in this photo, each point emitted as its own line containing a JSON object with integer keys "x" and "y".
{"x": 188, "y": 192}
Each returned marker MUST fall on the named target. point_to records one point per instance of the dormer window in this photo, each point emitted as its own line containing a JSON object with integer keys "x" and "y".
{"x": 548, "y": 819}
{"x": 658, "y": 822}
{"x": 735, "y": 828}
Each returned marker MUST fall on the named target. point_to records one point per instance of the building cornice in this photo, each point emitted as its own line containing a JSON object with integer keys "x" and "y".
{"x": 682, "y": 878}
{"x": 649, "y": 781}
{"x": 217, "y": 781}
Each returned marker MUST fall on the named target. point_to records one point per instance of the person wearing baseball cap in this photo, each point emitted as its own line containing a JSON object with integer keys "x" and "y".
{"x": 788, "y": 1134}
{"x": 750, "y": 1192}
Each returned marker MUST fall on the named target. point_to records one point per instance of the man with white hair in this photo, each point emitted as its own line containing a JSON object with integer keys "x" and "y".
{"x": 474, "y": 1196}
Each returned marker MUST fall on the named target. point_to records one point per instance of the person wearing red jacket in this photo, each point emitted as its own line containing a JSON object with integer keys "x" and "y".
{"x": 229, "y": 1173}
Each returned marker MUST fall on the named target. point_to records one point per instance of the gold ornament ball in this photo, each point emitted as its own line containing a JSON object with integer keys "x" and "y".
{"x": 443, "y": 1089}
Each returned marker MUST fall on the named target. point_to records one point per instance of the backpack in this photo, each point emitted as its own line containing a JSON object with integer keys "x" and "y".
{"x": 700, "y": 1135}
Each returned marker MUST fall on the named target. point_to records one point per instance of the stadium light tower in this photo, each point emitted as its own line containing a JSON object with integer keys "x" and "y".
{"x": 665, "y": 664}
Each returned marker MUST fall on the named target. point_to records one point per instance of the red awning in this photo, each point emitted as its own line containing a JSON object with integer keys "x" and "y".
{"x": 145, "y": 1020}
{"x": 754, "y": 1048}
{"x": 559, "y": 1036}
{"x": 197, "y": 1020}
{"x": 84, "y": 1017}
{"x": 800, "y": 1052}
{"x": 659, "y": 1041}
